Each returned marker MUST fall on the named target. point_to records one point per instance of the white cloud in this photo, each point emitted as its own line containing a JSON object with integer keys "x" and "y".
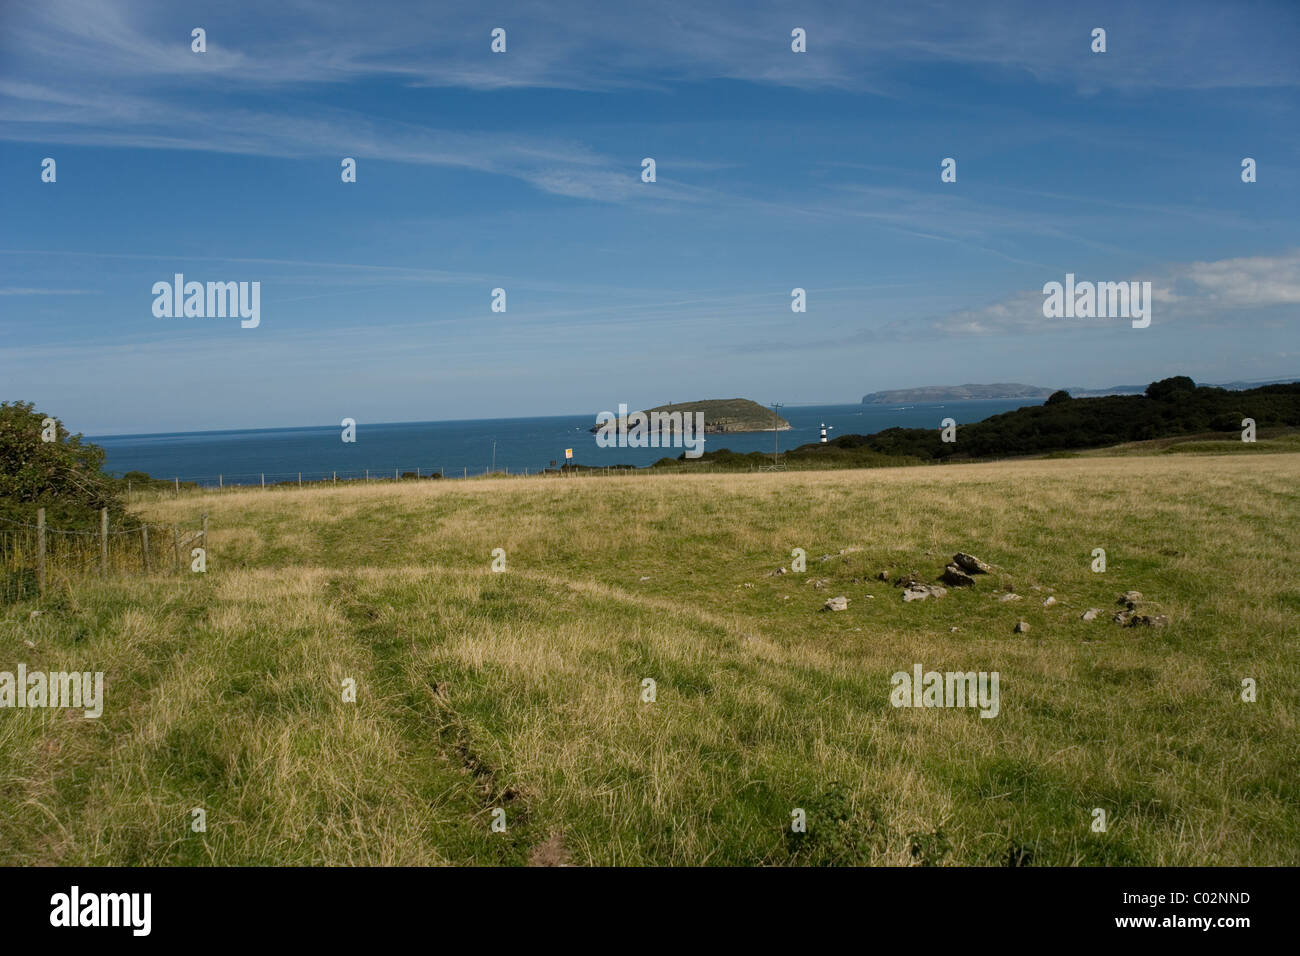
{"x": 1246, "y": 282}
{"x": 1203, "y": 291}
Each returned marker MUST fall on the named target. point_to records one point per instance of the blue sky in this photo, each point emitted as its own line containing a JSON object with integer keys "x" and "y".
{"x": 522, "y": 170}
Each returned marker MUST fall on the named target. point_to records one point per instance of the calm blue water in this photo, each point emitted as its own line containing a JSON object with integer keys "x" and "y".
{"x": 465, "y": 447}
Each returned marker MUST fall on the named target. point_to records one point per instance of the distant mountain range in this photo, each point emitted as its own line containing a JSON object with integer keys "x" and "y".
{"x": 955, "y": 393}
{"x": 1011, "y": 390}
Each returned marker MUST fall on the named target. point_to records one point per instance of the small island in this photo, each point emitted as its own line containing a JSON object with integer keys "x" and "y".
{"x": 725, "y": 415}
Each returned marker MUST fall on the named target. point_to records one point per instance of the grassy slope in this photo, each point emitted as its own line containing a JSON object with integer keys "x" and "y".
{"x": 522, "y": 689}
{"x": 1270, "y": 441}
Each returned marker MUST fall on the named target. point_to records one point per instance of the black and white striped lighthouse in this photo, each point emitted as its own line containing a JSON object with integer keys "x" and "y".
{"x": 824, "y": 429}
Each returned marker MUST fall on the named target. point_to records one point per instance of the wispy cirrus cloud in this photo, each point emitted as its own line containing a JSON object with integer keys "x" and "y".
{"x": 112, "y": 73}
{"x": 551, "y": 164}
{"x": 593, "y": 45}
{"x": 21, "y": 291}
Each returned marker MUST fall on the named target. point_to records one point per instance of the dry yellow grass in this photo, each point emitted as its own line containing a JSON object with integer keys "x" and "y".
{"x": 522, "y": 690}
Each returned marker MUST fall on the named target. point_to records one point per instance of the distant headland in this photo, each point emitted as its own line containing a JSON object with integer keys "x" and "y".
{"x": 1013, "y": 390}
{"x": 956, "y": 393}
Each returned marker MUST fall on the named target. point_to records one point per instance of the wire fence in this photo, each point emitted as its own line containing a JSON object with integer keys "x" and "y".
{"x": 37, "y": 558}
{"x": 298, "y": 478}
{"x": 269, "y": 479}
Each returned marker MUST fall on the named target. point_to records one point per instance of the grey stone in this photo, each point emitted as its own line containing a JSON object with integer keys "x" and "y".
{"x": 957, "y": 577}
{"x": 971, "y": 564}
{"x": 1148, "y": 620}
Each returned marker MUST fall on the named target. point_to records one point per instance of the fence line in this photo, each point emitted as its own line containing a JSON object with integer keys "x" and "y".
{"x": 259, "y": 478}
{"x": 33, "y": 556}
{"x": 299, "y": 478}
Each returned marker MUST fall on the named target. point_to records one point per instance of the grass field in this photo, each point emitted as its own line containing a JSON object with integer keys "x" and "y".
{"x": 522, "y": 690}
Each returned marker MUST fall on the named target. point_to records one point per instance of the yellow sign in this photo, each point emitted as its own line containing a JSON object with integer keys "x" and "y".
{"x": 568, "y": 453}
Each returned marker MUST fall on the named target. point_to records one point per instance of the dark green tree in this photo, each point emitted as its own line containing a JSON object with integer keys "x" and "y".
{"x": 1168, "y": 389}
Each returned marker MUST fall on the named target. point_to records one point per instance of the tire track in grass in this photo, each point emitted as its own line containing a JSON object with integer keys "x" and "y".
{"x": 424, "y": 712}
{"x": 383, "y": 593}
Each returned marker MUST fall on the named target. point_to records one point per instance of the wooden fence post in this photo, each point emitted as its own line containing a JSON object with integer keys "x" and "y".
{"x": 178, "y": 485}
{"x": 144, "y": 540}
{"x": 220, "y": 483}
{"x": 264, "y": 480}
{"x": 367, "y": 474}
{"x": 207, "y": 552}
{"x": 176, "y": 540}
{"x": 300, "y": 479}
{"x": 40, "y": 550}
{"x": 103, "y": 541}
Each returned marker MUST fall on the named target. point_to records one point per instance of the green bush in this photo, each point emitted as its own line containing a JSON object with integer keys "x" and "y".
{"x": 64, "y": 475}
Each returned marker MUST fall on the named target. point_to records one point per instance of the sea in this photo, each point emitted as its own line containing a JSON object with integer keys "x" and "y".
{"x": 459, "y": 449}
